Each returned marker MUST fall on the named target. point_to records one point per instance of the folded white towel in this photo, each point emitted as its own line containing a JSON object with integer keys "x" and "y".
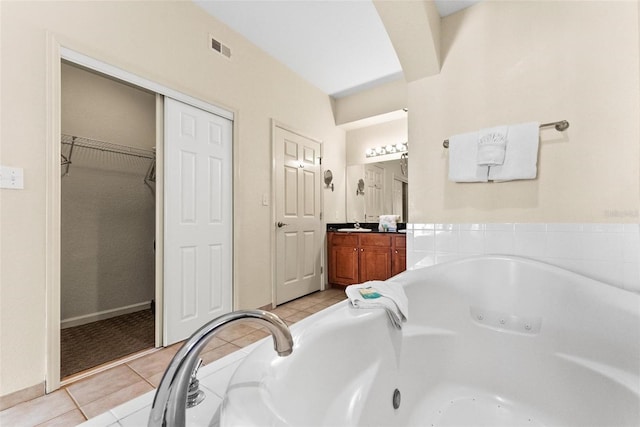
{"x": 463, "y": 159}
{"x": 388, "y": 222}
{"x": 379, "y": 294}
{"x": 492, "y": 143}
{"x": 521, "y": 157}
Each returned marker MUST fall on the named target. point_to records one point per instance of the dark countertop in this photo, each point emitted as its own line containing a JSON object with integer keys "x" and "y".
{"x": 373, "y": 226}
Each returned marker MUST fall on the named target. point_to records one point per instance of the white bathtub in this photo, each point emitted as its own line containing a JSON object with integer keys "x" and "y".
{"x": 490, "y": 341}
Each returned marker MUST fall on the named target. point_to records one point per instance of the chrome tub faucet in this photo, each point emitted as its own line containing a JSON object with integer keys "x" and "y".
{"x": 170, "y": 401}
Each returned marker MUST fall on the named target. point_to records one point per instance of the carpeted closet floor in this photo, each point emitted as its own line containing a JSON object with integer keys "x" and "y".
{"x": 86, "y": 346}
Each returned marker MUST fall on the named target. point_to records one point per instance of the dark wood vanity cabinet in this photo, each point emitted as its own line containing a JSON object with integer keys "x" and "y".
{"x": 359, "y": 257}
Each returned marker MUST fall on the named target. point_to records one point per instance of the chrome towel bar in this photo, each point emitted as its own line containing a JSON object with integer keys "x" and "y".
{"x": 560, "y": 126}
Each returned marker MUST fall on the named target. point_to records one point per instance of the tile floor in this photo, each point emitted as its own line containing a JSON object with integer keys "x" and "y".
{"x": 96, "y": 394}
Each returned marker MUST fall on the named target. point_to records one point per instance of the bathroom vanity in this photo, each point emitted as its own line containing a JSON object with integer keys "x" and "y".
{"x": 356, "y": 257}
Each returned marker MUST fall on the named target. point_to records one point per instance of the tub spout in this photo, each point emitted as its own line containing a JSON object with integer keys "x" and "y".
{"x": 169, "y": 403}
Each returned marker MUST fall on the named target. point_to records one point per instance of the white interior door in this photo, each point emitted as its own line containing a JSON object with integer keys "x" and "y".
{"x": 198, "y": 219}
{"x": 298, "y": 224}
{"x": 374, "y": 191}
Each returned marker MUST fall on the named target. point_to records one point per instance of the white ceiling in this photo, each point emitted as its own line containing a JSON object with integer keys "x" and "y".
{"x": 340, "y": 46}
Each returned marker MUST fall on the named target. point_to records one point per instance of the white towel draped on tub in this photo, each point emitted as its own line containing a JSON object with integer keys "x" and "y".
{"x": 463, "y": 159}
{"x": 379, "y": 294}
{"x": 521, "y": 157}
{"x": 492, "y": 144}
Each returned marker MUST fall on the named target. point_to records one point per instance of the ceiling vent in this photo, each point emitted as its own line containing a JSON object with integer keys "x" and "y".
{"x": 219, "y": 47}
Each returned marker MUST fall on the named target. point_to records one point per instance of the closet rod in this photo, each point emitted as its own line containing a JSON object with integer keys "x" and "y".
{"x": 560, "y": 126}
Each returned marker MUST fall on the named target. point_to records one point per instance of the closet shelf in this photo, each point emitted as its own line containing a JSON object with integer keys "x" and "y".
{"x": 81, "y": 142}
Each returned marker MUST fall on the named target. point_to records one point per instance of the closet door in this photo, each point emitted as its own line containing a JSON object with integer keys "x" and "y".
{"x": 198, "y": 219}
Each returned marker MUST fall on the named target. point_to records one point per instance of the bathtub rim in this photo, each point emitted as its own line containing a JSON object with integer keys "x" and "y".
{"x": 629, "y": 299}
{"x": 514, "y": 258}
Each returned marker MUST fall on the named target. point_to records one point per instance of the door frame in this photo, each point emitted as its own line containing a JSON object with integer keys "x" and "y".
{"x": 277, "y": 124}
{"x": 56, "y": 52}
{"x": 401, "y": 178}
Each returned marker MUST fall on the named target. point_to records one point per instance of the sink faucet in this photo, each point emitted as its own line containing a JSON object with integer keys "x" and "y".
{"x": 356, "y": 224}
{"x": 169, "y": 403}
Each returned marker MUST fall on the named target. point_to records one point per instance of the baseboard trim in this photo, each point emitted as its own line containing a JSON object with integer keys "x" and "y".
{"x": 21, "y": 396}
{"x": 102, "y": 315}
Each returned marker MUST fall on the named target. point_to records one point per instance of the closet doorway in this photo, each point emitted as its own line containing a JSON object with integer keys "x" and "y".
{"x": 108, "y": 214}
{"x": 199, "y": 187}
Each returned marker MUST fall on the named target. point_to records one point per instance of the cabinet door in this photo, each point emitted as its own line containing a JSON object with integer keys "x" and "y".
{"x": 375, "y": 263}
{"x": 398, "y": 261}
{"x": 399, "y": 255}
{"x": 342, "y": 258}
{"x": 343, "y": 265}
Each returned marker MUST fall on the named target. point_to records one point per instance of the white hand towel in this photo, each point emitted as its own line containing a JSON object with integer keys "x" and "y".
{"x": 463, "y": 159}
{"x": 492, "y": 143}
{"x": 379, "y": 294}
{"x": 388, "y": 223}
{"x": 521, "y": 157}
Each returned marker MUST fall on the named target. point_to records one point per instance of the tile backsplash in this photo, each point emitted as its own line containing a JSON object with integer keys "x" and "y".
{"x": 606, "y": 252}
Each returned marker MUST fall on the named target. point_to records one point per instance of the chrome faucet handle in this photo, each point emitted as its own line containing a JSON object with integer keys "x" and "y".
{"x": 195, "y": 370}
{"x": 356, "y": 224}
{"x": 194, "y": 395}
{"x": 170, "y": 401}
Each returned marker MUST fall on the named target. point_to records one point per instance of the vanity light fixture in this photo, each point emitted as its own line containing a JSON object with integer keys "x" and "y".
{"x": 400, "y": 147}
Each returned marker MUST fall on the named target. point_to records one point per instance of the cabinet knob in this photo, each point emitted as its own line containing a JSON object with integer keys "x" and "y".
{"x": 361, "y": 249}
{"x": 355, "y": 249}
{"x": 396, "y": 251}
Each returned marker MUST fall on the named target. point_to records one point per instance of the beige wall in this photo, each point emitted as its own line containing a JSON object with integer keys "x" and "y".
{"x": 107, "y": 210}
{"x": 96, "y": 107}
{"x": 161, "y": 41}
{"x": 107, "y": 235}
{"x": 376, "y": 101}
{"x": 511, "y": 62}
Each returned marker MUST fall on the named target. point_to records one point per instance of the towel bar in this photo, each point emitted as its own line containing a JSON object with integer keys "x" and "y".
{"x": 560, "y": 126}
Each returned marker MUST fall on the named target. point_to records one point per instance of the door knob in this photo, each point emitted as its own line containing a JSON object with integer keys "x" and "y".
{"x": 281, "y": 224}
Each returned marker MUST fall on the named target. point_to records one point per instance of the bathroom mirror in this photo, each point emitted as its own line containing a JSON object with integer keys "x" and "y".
{"x": 384, "y": 177}
{"x": 375, "y": 189}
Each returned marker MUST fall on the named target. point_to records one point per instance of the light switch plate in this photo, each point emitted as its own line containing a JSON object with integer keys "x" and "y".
{"x": 12, "y": 178}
